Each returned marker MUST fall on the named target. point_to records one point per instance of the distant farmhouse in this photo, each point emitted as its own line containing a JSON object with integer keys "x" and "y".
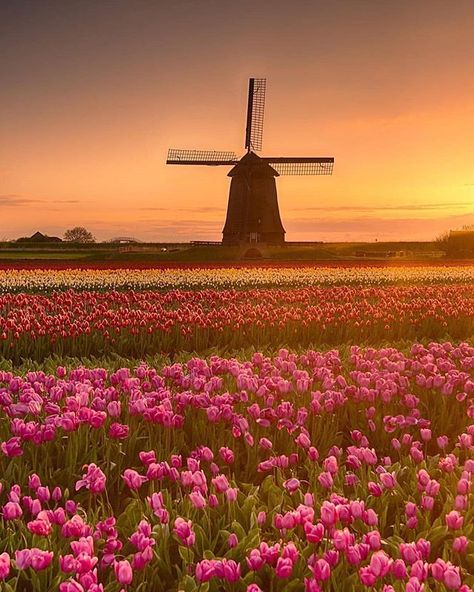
{"x": 39, "y": 237}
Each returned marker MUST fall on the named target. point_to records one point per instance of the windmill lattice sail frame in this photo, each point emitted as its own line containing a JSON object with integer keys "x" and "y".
{"x": 255, "y": 113}
{"x": 209, "y": 157}
{"x": 301, "y": 165}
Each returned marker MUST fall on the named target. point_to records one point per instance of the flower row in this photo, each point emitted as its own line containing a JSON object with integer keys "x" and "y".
{"x": 317, "y": 471}
{"x": 41, "y": 280}
{"x": 138, "y": 323}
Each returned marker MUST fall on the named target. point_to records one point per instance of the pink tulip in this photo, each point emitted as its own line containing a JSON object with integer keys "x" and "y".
{"x": 342, "y": 539}
{"x": 314, "y": 532}
{"x": 183, "y": 530}
{"x": 425, "y": 434}
{"x": 40, "y": 527}
{"x": 373, "y": 539}
{"x": 34, "y": 481}
{"x": 328, "y": 514}
{"x": 255, "y": 561}
{"x": 374, "y": 489}
{"x": 213, "y": 501}
{"x": 231, "y": 494}
{"x": 67, "y": 563}
{"x": 12, "y": 447}
{"x": 460, "y": 544}
{"x": 12, "y": 511}
{"x": 367, "y": 577}
{"x": 370, "y": 517}
{"x": 123, "y": 572}
{"x": 39, "y": 559}
{"x": 132, "y": 479}
{"x": 454, "y": 520}
{"x": 220, "y": 483}
{"x": 147, "y": 458}
{"x": 43, "y": 494}
{"x": 423, "y": 547}
{"x": 461, "y": 502}
{"x": 399, "y": 569}
{"x": 442, "y": 441}
{"x": 330, "y": 465}
{"x": 357, "y": 509}
{"x": 303, "y": 441}
{"x": 265, "y": 443}
{"x": 452, "y": 578}
{"x": 311, "y": 585}
{"x": 94, "y": 479}
{"x": 227, "y": 455}
{"x": 463, "y": 486}
{"x": 321, "y": 570}
{"x": 118, "y": 431}
{"x": 205, "y": 570}
{"x": 438, "y": 568}
{"x": 284, "y": 568}
{"x": 353, "y": 555}
{"x": 197, "y": 499}
{"x": 409, "y": 553}
{"x": 326, "y": 480}
{"x": 388, "y": 480}
{"x": 419, "y": 570}
{"x": 291, "y": 485}
{"x": 413, "y": 585}
{"x": 71, "y": 586}
{"x": 427, "y": 502}
{"x": 23, "y": 559}
{"x": 4, "y": 565}
{"x": 228, "y": 570}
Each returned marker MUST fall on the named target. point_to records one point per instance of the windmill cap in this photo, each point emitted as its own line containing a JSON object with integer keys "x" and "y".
{"x": 252, "y": 160}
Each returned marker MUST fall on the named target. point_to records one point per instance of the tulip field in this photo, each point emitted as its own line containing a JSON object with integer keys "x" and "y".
{"x": 238, "y": 430}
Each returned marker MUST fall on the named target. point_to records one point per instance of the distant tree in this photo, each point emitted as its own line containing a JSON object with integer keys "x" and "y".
{"x": 79, "y": 234}
{"x": 442, "y": 239}
{"x": 458, "y": 244}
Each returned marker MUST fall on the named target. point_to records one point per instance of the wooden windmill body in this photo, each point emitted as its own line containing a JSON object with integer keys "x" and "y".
{"x": 253, "y": 215}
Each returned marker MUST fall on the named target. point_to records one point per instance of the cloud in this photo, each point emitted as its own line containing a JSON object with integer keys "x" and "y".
{"x": 182, "y": 224}
{"x": 161, "y": 230}
{"x": 362, "y": 228}
{"x": 14, "y": 200}
{"x": 199, "y": 210}
{"x": 157, "y": 209}
{"x": 18, "y": 200}
{"x": 402, "y": 207}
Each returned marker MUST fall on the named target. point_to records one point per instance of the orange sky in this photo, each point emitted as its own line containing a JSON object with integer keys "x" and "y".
{"x": 94, "y": 93}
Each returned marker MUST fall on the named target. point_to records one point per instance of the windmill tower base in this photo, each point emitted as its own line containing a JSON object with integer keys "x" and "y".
{"x": 253, "y": 239}
{"x": 253, "y": 216}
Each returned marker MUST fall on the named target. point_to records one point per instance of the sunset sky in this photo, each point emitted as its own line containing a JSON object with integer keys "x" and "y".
{"x": 93, "y": 93}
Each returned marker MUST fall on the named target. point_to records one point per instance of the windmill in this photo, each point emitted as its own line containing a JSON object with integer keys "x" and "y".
{"x": 253, "y": 215}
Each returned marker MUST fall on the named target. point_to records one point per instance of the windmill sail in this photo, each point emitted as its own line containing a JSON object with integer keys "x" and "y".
{"x": 306, "y": 165}
{"x": 255, "y": 112}
{"x": 206, "y": 157}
